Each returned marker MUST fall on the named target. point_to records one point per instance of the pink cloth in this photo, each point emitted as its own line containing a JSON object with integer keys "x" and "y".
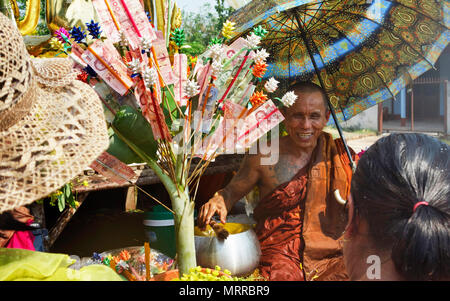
{"x": 22, "y": 239}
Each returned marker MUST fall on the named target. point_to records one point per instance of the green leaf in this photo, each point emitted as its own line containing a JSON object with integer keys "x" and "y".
{"x": 122, "y": 151}
{"x": 71, "y": 201}
{"x": 61, "y": 202}
{"x": 169, "y": 105}
{"x": 67, "y": 191}
{"x": 132, "y": 125}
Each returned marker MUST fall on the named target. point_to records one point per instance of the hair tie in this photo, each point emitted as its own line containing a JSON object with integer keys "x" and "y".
{"x": 418, "y": 204}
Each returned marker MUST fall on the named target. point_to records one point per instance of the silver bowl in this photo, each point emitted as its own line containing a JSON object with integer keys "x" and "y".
{"x": 239, "y": 253}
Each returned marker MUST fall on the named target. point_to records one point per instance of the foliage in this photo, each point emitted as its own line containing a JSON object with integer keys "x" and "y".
{"x": 223, "y": 13}
{"x": 203, "y": 26}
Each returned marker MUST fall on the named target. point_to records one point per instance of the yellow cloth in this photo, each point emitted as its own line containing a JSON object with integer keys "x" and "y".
{"x": 26, "y": 265}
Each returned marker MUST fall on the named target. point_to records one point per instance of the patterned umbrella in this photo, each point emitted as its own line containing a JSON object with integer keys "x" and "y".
{"x": 360, "y": 51}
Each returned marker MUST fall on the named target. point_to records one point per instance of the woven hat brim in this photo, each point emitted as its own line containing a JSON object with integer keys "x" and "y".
{"x": 64, "y": 132}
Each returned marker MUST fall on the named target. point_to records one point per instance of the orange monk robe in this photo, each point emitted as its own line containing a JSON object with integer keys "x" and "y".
{"x": 300, "y": 224}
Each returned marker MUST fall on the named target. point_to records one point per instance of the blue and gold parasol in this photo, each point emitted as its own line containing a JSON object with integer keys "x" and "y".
{"x": 360, "y": 51}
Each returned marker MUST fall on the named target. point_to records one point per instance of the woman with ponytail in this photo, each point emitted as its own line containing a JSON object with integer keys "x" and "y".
{"x": 399, "y": 211}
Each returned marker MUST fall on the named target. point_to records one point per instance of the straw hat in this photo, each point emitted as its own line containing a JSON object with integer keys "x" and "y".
{"x": 52, "y": 126}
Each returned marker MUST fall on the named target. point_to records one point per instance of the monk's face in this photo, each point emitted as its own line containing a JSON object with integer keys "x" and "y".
{"x": 305, "y": 120}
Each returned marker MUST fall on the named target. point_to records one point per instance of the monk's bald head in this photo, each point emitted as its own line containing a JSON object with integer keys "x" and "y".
{"x": 308, "y": 87}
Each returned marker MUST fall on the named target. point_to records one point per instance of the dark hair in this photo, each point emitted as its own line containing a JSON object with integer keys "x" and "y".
{"x": 309, "y": 87}
{"x": 391, "y": 177}
{"x": 8, "y": 222}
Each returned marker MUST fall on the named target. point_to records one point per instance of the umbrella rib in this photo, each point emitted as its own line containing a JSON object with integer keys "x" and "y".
{"x": 384, "y": 27}
{"x": 315, "y": 14}
{"x": 361, "y": 54}
{"x": 289, "y": 50}
{"x": 340, "y": 11}
{"x": 419, "y": 12}
{"x": 391, "y": 1}
{"x": 281, "y": 44}
{"x": 286, "y": 18}
{"x": 288, "y": 39}
{"x": 304, "y": 37}
{"x": 325, "y": 15}
{"x": 321, "y": 58}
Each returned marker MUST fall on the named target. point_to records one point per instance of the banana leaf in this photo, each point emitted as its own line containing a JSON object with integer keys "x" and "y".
{"x": 122, "y": 151}
{"x": 132, "y": 125}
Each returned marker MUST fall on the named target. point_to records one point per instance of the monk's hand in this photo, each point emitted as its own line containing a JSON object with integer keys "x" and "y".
{"x": 216, "y": 205}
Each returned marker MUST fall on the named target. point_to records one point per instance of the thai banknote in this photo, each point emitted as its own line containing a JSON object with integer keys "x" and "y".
{"x": 127, "y": 16}
{"x": 151, "y": 109}
{"x": 114, "y": 169}
{"x": 257, "y": 123}
{"x": 162, "y": 57}
{"x": 106, "y": 61}
{"x": 180, "y": 72}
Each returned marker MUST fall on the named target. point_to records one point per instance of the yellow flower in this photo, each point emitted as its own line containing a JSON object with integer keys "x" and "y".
{"x": 228, "y": 29}
{"x": 85, "y": 183}
{"x": 56, "y": 44}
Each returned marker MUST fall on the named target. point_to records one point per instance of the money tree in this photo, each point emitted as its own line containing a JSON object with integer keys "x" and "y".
{"x": 173, "y": 112}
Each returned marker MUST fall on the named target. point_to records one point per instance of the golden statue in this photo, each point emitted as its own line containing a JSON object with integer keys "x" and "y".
{"x": 31, "y": 20}
{"x": 70, "y": 13}
{"x": 67, "y": 14}
{"x": 58, "y": 13}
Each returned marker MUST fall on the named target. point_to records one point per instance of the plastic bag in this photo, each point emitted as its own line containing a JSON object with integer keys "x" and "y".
{"x": 130, "y": 262}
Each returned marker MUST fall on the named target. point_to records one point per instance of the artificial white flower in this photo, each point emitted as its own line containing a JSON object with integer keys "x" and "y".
{"x": 271, "y": 85}
{"x": 122, "y": 264}
{"x": 191, "y": 88}
{"x": 146, "y": 44}
{"x": 289, "y": 99}
{"x": 216, "y": 67}
{"x": 261, "y": 55}
{"x": 150, "y": 76}
{"x": 253, "y": 40}
{"x": 215, "y": 52}
{"x": 135, "y": 66}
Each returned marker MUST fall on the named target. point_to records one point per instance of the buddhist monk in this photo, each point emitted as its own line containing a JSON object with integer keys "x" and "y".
{"x": 299, "y": 222}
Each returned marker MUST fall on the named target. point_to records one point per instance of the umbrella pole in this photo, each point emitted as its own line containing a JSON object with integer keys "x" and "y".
{"x": 316, "y": 69}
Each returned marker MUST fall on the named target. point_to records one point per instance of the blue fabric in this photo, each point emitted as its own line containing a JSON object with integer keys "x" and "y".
{"x": 39, "y": 236}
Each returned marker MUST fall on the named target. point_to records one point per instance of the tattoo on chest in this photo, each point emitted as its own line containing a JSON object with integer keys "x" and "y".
{"x": 285, "y": 170}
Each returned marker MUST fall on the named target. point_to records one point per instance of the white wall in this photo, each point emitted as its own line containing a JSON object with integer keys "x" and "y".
{"x": 367, "y": 119}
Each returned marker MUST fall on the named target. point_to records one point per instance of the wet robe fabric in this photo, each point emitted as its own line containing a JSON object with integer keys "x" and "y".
{"x": 300, "y": 224}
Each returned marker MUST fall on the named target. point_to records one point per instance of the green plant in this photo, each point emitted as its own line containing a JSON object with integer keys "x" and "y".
{"x": 62, "y": 197}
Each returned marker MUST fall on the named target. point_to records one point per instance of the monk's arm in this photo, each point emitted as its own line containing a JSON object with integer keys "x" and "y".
{"x": 240, "y": 185}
